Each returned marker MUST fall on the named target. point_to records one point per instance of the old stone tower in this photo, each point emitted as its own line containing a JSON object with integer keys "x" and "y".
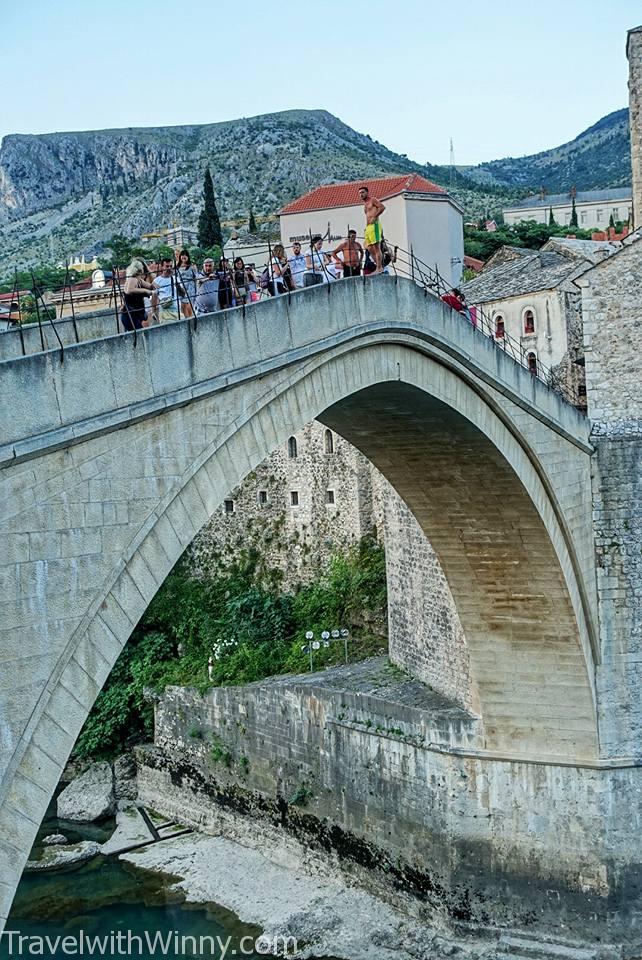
{"x": 634, "y": 54}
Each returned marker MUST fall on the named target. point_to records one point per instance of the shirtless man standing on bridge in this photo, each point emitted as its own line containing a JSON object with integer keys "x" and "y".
{"x": 352, "y": 255}
{"x": 373, "y": 209}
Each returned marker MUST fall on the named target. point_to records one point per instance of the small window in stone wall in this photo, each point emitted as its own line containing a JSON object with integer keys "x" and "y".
{"x": 500, "y": 329}
{"x": 329, "y": 496}
{"x": 599, "y": 215}
{"x": 529, "y": 321}
{"x": 581, "y": 390}
{"x": 531, "y": 360}
{"x": 292, "y": 448}
{"x": 329, "y": 442}
{"x": 229, "y": 506}
{"x": 263, "y": 497}
{"x": 294, "y": 498}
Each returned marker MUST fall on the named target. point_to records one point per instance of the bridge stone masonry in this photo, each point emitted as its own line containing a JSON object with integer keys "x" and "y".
{"x": 113, "y": 458}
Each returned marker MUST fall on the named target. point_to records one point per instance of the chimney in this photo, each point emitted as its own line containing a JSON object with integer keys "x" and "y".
{"x": 634, "y": 54}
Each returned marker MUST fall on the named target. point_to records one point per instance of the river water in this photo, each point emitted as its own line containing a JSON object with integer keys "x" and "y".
{"x": 105, "y": 896}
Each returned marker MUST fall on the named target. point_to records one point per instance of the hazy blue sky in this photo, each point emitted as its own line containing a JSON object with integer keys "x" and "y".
{"x": 502, "y": 77}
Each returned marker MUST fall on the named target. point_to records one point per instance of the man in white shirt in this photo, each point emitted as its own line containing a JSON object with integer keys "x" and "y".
{"x": 297, "y": 265}
{"x": 164, "y": 300}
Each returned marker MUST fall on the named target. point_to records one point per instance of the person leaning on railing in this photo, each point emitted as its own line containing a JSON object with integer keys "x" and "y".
{"x": 139, "y": 285}
{"x": 278, "y": 271}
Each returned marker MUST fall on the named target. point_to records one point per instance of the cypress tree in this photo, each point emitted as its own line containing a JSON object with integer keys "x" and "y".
{"x": 611, "y": 221}
{"x": 251, "y": 226}
{"x": 573, "y": 222}
{"x": 551, "y": 218}
{"x": 209, "y": 224}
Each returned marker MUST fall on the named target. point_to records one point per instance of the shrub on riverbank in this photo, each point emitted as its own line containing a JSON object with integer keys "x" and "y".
{"x": 249, "y": 628}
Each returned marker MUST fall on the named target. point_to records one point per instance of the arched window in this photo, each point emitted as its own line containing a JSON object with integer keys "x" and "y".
{"x": 531, "y": 360}
{"x": 328, "y": 442}
{"x": 499, "y": 328}
{"x": 292, "y": 450}
{"x": 529, "y": 321}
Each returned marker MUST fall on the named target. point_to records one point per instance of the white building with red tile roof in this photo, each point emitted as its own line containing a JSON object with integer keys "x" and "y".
{"x": 419, "y": 215}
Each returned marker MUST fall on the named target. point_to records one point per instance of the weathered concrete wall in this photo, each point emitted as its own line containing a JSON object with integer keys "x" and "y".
{"x": 89, "y": 326}
{"x": 403, "y": 788}
{"x": 612, "y": 310}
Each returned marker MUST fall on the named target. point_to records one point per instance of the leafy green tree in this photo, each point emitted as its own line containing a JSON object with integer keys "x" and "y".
{"x": 246, "y": 623}
{"x": 122, "y": 250}
{"x": 160, "y": 252}
{"x": 46, "y": 277}
{"x": 251, "y": 226}
{"x": 573, "y": 222}
{"x": 209, "y": 224}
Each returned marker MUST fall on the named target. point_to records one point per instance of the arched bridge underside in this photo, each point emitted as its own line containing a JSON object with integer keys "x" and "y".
{"x": 113, "y": 460}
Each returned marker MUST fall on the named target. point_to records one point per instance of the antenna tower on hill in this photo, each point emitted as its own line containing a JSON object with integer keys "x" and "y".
{"x": 452, "y": 163}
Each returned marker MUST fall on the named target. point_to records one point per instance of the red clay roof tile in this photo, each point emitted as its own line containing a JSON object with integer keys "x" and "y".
{"x": 347, "y": 194}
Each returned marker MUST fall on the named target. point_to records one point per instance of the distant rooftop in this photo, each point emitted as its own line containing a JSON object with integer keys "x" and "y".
{"x": 540, "y": 270}
{"x": 347, "y": 194}
{"x": 563, "y": 199}
{"x": 591, "y": 250}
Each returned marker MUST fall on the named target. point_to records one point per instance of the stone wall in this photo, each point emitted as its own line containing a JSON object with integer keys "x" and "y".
{"x": 634, "y": 53}
{"x": 331, "y": 484}
{"x": 568, "y": 374}
{"x": 425, "y": 634}
{"x": 612, "y": 310}
{"x": 396, "y": 782}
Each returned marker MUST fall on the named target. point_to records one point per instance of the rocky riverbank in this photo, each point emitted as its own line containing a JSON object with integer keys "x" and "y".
{"x": 274, "y": 882}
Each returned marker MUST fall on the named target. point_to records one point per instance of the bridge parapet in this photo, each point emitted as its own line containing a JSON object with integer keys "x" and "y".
{"x": 126, "y": 376}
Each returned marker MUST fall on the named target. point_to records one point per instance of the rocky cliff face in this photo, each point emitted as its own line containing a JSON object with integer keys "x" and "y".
{"x": 66, "y": 192}
{"x": 37, "y": 172}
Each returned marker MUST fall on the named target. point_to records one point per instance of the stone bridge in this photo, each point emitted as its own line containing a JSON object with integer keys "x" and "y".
{"x": 112, "y": 459}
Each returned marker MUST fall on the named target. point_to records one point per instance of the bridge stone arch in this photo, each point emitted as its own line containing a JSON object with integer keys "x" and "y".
{"x": 493, "y": 477}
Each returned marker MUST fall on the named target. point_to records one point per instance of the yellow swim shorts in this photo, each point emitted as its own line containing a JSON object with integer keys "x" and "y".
{"x": 372, "y": 234}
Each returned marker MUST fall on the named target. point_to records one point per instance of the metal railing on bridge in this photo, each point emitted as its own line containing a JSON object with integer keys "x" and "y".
{"x": 401, "y": 263}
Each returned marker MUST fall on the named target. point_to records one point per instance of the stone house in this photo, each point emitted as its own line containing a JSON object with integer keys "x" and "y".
{"x": 531, "y": 302}
{"x": 594, "y": 208}
{"x": 419, "y": 215}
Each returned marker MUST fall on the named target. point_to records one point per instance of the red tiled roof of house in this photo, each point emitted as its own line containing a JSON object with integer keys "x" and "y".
{"x": 473, "y": 263}
{"x": 11, "y": 295}
{"x": 347, "y": 194}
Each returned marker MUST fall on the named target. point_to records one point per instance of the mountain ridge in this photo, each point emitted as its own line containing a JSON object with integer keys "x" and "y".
{"x": 598, "y": 157}
{"x": 68, "y": 192}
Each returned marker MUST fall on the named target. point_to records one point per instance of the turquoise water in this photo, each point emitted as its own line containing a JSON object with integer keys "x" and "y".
{"x": 104, "y": 897}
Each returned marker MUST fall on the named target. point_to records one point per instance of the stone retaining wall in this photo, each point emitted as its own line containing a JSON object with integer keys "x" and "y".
{"x": 402, "y": 788}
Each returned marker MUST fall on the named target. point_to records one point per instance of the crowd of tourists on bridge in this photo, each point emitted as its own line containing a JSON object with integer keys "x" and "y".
{"x": 179, "y": 288}
{"x": 176, "y": 287}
